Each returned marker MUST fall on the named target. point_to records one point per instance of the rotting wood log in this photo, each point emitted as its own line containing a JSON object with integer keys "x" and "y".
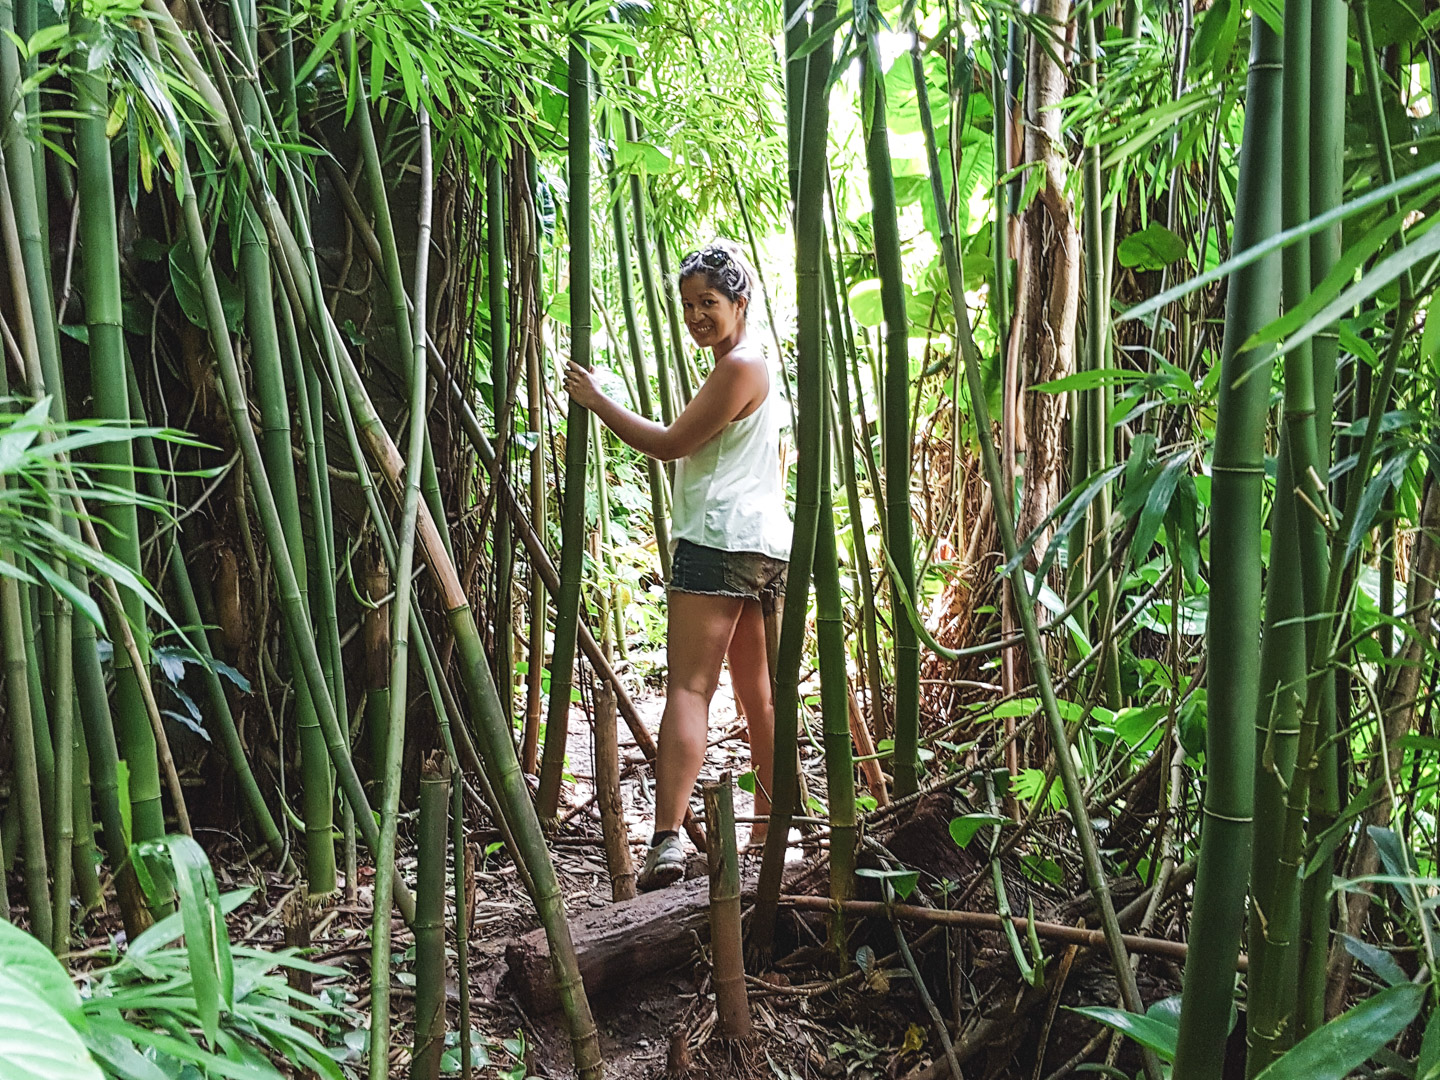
{"x": 618, "y": 943}
{"x": 983, "y": 920}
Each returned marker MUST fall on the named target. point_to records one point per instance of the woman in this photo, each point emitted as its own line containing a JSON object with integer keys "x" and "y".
{"x": 731, "y": 539}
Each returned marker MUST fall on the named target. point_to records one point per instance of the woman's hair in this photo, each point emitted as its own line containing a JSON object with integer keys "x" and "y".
{"x": 724, "y": 267}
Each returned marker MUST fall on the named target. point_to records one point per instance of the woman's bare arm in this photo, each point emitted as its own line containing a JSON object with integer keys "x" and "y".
{"x": 737, "y": 383}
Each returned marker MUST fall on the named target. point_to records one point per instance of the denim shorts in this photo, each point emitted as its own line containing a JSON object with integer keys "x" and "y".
{"x": 712, "y": 572}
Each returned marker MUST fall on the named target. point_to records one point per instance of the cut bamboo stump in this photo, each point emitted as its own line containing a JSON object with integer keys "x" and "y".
{"x": 727, "y": 948}
{"x": 607, "y": 795}
{"x": 619, "y": 943}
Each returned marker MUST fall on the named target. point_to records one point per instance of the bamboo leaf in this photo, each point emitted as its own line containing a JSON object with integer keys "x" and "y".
{"x": 1377, "y": 960}
{"x": 1149, "y": 1031}
{"x": 1426, "y": 247}
{"x": 1347, "y": 1042}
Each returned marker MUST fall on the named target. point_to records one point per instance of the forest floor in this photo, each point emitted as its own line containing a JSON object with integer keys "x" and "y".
{"x": 663, "y": 1025}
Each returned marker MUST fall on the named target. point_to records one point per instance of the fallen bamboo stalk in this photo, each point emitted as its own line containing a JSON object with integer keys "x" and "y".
{"x": 982, "y": 920}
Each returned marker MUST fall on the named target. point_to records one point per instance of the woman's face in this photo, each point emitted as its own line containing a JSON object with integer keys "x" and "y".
{"x": 710, "y": 315}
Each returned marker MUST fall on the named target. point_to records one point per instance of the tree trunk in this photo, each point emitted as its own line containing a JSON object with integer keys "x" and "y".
{"x": 1047, "y": 294}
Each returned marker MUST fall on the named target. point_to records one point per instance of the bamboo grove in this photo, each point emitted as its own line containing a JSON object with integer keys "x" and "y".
{"x": 1105, "y": 341}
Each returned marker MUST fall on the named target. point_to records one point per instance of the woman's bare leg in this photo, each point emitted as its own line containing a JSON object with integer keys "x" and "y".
{"x": 698, "y": 632}
{"x": 750, "y": 676}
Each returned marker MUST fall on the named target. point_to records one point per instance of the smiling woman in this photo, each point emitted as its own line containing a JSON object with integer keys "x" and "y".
{"x": 730, "y": 533}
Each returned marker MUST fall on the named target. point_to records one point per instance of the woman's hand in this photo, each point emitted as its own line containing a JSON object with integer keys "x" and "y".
{"x": 581, "y": 385}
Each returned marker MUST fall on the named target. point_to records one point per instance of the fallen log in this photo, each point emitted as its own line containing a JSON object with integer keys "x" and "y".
{"x": 983, "y": 920}
{"x": 618, "y": 943}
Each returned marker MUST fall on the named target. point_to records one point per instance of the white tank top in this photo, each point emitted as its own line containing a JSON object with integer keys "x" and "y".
{"x": 729, "y": 494}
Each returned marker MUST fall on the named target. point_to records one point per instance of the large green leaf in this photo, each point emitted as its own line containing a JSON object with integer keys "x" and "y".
{"x": 36, "y": 1042}
{"x": 29, "y": 963}
{"x": 1348, "y": 1041}
{"x": 1152, "y": 248}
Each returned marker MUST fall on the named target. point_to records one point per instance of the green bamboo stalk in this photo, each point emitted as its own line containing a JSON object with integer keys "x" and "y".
{"x": 637, "y": 360}
{"x": 577, "y": 427}
{"x": 1328, "y": 80}
{"x": 26, "y": 772}
{"x": 495, "y": 233}
{"x": 296, "y": 617}
{"x": 188, "y": 609}
{"x": 268, "y": 369}
{"x": 672, "y": 318}
{"x": 535, "y": 397}
{"x": 379, "y": 1060}
{"x": 896, "y": 429}
{"x": 648, "y": 288}
{"x": 1098, "y": 445}
{"x": 841, "y": 346}
{"x": 1239, "y": 481}
{"x": 834, "y": 707}
{"x": 813, "y": 126}
{"x": 62, "y": 810}
{"x": 400, "y": 303}
{"x": 100, "y": 264}
{"x": 430, "y": 919}
{"x": 83, "y": 855}
{"x": 1024, "y": 603}
{"x": 1297, "y": 538}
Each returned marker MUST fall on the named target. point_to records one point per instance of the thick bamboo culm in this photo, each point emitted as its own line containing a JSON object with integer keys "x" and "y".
{"x": 607, "y": 795}
{"x": 727, "y": 952}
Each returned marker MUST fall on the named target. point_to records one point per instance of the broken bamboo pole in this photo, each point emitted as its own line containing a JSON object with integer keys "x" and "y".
{"x": 607, "y": 795}
{"x": 727, "y": 950}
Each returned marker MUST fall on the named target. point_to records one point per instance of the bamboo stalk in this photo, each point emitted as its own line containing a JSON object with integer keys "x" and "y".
{"x": 896, "y": 427}
{"x": 653, "y": 471}
{"x": 577, "y": 427}
{"x": 1230, "y": 801}
{"x": 812, "y": 127}
{"x": 732, "y": 1003}
{"x": 607, "y": 795}
{"x": 379, "y": 1061}
{"x": 26, "y": 772}
{"x": 498, "y": 311}
{"x": 430, "y": 918}
{"x": 268, "y": 370}
{"x": 100, "y": 263}
{"x": 834, "y": 709}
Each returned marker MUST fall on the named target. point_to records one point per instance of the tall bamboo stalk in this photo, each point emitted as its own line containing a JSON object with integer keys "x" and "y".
{"x": 813, "y": 128}
{"x": 834, "y": 705}
{"x": 100, "y": 264}
{"x": 672, "y": 319}
{"x": 499, "y": 314}
{"x": 841, "y": 346}
{"x": 1328, "y": 77}
{"x": 1238, "y": 486}
{"x": 1298, "y": 538}
{"x": 268, "y": 368}
{"x": 577, "y": 426}
{"x": 642, "y": 377}
{"x": 896, "y": 429}
{"x": 400, "y": 634}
